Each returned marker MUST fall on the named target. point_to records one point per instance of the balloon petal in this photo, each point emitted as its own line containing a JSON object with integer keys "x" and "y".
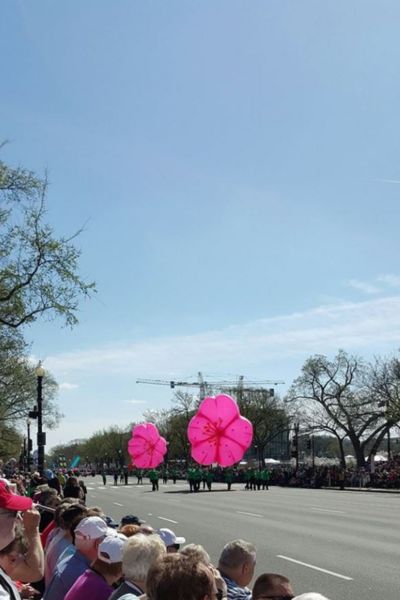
{"x": 218, "y": 433}
{"x": 146, "y": 447}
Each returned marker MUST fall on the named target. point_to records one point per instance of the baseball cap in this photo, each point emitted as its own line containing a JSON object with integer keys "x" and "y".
{"x": 131, "y": 520}
{"x": 11, "y": 501}
{"x": 110, "y": 522}
{"x": 91, "y": 528}
{"x": 110, "y": 549}
{"x": 169, "y": 538}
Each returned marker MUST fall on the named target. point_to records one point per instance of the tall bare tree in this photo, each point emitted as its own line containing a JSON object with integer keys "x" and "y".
{"x": 338, "y": 386}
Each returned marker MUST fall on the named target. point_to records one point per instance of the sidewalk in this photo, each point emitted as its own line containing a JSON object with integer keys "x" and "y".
{"x": 363, "y": 489}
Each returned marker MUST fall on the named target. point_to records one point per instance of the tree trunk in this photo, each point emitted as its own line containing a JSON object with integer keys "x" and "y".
{"x": 358, "y": 450}
{"x": 341, "y": 452}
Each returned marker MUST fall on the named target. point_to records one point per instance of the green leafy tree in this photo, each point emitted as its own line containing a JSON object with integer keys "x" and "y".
{"x": 38, "y": 270}
{"x": 18, "y": 383}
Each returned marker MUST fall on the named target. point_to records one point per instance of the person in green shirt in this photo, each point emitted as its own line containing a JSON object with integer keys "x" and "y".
{"x": 209, "y": 479}
{"x": 174, "y": 475}
{"x": 154, "y": 477}
{"x": 228, "y": 477}
{"x": 247, "y": 479}
{"x": 139, "y": 475}
{"x": 165, "y": 475}
{"x": 265, "y": 476}
{"x": 197, "y": 479}
{"x": 190, "y": 478}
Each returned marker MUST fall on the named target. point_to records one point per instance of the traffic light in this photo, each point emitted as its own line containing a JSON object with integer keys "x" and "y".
{"x": 294, "y": 453}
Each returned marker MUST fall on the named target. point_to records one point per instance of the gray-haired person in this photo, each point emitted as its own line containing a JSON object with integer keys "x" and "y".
{"x": 236, "y": 565}
{"x": 139, "y": 554}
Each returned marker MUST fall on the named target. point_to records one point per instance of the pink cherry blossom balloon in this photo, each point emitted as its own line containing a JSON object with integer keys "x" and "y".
{"x": 218, "y": 433}
{"x": 146, "y": 446}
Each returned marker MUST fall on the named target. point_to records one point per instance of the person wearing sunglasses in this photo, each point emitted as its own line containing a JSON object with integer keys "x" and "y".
{"x": 18, "y": 511}
{"x": 272, "y": 586}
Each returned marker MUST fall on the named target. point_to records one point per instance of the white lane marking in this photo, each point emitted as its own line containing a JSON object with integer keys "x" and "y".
{"x": 299, "y": 562}
{"x": 169, "y": 520}
{"x": 240, "y": 512}
{"x": 90, "y": 488}
{"x": 117, "y": 504}
{"x": 93, "y": 495}
{"x": 150, "y": 514}
{"x": 342, "y": 512}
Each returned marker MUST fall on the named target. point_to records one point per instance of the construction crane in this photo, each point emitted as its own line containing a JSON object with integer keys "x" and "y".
{"x": 224, "y": 385}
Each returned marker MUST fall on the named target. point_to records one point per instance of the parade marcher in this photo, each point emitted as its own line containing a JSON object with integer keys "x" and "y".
{"x": 139, "y": 475}
{"x": 104, "y": 477}
{"x": 197, "y": 478}
{"x": 209, "y": 479}
{"x": 191, "y": 479}
{"x": 265, "y": 477}
{"x": 154, "y": 477}
{"x": 204, "y": 478}
{"x": 165, "y": 475}
{"x": 258, "y": 477}
{"x": 126, "y": 475}
{"x": 247, "y": 479}
{"x": 115, "y": 477}
{"x": 228, "y": 478}
{"x": 173, "y": 475}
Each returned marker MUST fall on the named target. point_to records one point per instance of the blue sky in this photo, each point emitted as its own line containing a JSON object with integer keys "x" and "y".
{"x": 236, "y": 167}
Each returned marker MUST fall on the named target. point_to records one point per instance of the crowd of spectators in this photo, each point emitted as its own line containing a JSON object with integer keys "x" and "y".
{"x": 53, "y": 546}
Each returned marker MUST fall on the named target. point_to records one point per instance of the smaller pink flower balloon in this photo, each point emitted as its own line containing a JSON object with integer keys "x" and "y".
{"x": 218, "y": 433}
{"x": 146, "y": 446}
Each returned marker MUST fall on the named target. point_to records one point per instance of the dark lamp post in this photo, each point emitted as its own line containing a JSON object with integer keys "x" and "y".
{"x": 41, "y": 436}
{"x": 28, "y": 446}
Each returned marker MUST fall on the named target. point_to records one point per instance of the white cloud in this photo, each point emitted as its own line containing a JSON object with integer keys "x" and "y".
{"x": 248, "y": 347}
{"x": 395, "y": 181}
{"x": 390, "y": 280}
{"x": 363, "y": 286}
{"x": 68, "y": 386}
{"x": 135, "y": 401}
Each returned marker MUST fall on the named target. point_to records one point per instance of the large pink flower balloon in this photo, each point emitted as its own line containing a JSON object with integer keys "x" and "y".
{"x": 146, "y": 447}
{"x": 218, "y": 433}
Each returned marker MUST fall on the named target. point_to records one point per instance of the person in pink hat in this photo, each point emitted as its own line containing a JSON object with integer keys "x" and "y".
{"x": 18, "y": 517}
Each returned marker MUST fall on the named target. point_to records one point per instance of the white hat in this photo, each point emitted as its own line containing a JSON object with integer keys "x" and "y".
{"x": 169, "y": 538}
{"x": 91, "y": 528}
{"x": 110, "y": 549}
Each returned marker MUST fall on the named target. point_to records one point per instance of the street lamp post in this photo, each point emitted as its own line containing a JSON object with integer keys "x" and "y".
{"x": 41, "y": 436}
{"x": 28, "y": 446}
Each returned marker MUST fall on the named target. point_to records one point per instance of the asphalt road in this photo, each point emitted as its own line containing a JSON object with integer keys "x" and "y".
{"x": 344, "y": 545}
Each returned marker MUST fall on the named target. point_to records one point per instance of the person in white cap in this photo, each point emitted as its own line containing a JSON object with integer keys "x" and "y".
{"x": 171, "y": 541}
{"x": 96, "y": 582}
{"x": 87, "y": 536}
